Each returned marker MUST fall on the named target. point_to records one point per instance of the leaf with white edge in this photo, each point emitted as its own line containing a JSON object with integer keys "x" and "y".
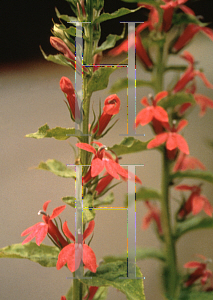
{"x": 193, "y": 223}
{"x": 58, "y": 133}
{"x": 176, "y": 99}
{"x": 118, "y": 13}
{"x": 57, "y": 168}
{"x": 197, "y": 174}
{"x": 88, "y": 211}
{"x": 141, "y": 253}
{"x": 100, "y": 79}
{"x": 46, "y": 256}
{"x": 109, "y": 275}
{"x": 110, "y": 42}
{"x": 129, "y": 145}
{"x": 195, "y": 295}
{"x": 57, "y": 59}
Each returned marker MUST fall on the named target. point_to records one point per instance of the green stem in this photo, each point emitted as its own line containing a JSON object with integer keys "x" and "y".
{"x": 84, "y": 155}
{"x": 169, "y": 243}
{"x": 171, "y": 274}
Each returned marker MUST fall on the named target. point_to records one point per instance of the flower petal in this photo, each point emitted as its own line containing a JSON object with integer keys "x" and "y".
{"x": 158, "y": 140}
{"x": 39, "y": 231}
{"x": 182, "y": 144}
{"x": 171, "y": 141}
{"x": 46, "y": 205}
{"x": 145, "y": 116}
{"x": 89, "y": 258}
{"x": 160, "y": 114}
{"x": 67, "y": 232}
{"x": 197, "y": 204}
{"x": 65, "y": 253}
{"x": 89, "y": 229}
{"x": 193, "y": 264}
{"x": 86, "y": 147}
{"x": 97, "y": 166}
{"x": 57, "y": 211}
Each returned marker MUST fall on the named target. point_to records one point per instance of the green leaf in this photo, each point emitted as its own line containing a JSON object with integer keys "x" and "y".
{"x": 109, "y": 199}
{"x": 195, "y": 295}
{"x": 58, "y": 59}
{"x": 176, "y": 99}
{"x": 101, "y": 293}
{"x": 129, "y": 145}
{"x": 118, "y": 13}
{"x": 109, "y": 275}
{"x": 110, "y": 42}
{"x": 57, "y": 168}
{"x": 150, "y": 2}
{"x": 147, "y": 193}
{"x": 66, "y": 17}
{"x": 88, "y": 212}
{"x": 141, "y": 253}
{"x": 182, "y": 18}
{"x": 122, "y": 83}
{"x": 58, "y": 133}
{"x": 193, "y": 224}
{"x": 100, "y": 79}
{"x": 46, "y": 256}
{"x": 197, "y": 174}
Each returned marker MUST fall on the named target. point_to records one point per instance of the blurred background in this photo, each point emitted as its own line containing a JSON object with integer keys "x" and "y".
{"x": 31, "y": 97}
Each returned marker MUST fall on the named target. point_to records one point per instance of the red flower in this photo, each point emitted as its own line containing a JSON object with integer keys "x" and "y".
{"x": 188, "y": 34}
{"x": 111, "y": 107}
{"x": 204, "y": 102}
{"x": 67, "y": 87}
{"x": 185, "y": 162}
{"x": 172, "y": 138}
{"x": 169, "y": 10}
{"x": 63, "y": 298}
{"x": 200, "y": 273}
{"x": 152, "y": 215}
{"x": 92, "y": 292}
{"x": 190, "y": 74}
{"x": 40, "y": 230}
{"x": 59, "y": 45}
{"x": 72, "y": 253}
{"x": 195, "y": 202}
{"x": 153, "y": 111}
{"x": 140, "y": 50}
{"x": 102, "y": 160}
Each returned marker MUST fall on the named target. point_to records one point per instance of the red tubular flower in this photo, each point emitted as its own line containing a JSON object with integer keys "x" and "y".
{"x": 188, "y": 34}
{"x": 201, "y": 273}
{"x": 102, "y": 160}
{"x": 185, "y": 162}
{"x": 72, "y": 253}
{"x": 63, "y": 298}
{"x": 111, "y": 107}
{"x": 172, "y": 138}
{"x": 67, "y": 87}
{"x": 190, "y": 74}
{"x": 40, "y": 230}
{"x": 169, "y": 10}
{"x": 152, "y": 215}
{"x": 153, "y": 111}
{"x": 92, "y": 292}
{"x": 195, "y": 202}
{"x": 204, "y": 102}
{"x": 140, "y": 50}
{"x": 59, "y": 45}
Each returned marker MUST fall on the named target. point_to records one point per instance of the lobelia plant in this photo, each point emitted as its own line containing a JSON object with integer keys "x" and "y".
{"x": 168, "y": 31}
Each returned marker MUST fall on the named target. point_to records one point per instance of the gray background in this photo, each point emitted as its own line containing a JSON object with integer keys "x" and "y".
{"x": 31, "y": 97}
